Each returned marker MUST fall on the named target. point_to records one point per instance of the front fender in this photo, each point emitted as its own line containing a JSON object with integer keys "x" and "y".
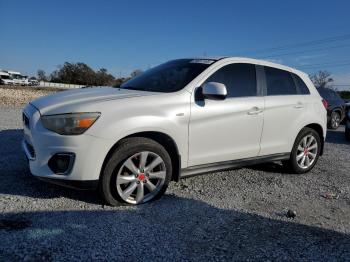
{"x": 175, "y": 128}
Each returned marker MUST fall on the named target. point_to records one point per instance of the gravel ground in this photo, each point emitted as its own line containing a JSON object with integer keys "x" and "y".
{"x": 19, "y": 96}
{"x": 233, "y": 215}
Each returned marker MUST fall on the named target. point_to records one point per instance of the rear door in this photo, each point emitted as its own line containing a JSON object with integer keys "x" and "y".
{"x": 222, "y": 130}
{"x": 284, "y": 107}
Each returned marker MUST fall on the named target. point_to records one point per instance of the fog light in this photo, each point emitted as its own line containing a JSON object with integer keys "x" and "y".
{"x": 61, "y": 163}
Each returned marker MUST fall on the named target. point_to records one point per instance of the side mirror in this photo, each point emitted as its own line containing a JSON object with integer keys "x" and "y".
{"x": 214, "y": 90}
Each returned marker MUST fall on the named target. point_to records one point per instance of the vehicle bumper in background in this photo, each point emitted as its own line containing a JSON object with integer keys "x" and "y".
{"x": 73, "y": 161}
{"x": 347, "y": 124}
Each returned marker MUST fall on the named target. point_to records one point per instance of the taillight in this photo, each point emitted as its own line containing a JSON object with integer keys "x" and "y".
{"x": 325, "y": 103}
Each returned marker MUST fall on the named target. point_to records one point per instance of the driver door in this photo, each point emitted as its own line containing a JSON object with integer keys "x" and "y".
{"x": 229, "y": 129}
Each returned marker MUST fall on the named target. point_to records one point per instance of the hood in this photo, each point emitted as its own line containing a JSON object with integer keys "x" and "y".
{"x": 84, "y": 96}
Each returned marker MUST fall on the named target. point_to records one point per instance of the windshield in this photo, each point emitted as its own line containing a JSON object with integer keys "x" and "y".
{"x": 4, "y": 77}
{"x": 169, "y": 77}
{"x": 16, "y": 76}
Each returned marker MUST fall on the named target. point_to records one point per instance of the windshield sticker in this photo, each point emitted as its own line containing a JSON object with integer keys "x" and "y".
{"x": 202, "y": 61}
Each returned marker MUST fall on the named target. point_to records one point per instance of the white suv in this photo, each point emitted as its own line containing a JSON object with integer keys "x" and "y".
{"x": 184, "y": 117}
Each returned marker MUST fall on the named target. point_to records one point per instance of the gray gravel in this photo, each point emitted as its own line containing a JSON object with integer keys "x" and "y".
{"x": 233, "y": 215}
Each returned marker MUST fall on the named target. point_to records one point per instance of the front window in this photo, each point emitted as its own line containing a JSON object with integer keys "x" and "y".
{"x": 239, "y": 79}
{"x": 4, "y": 77}
{"x": 169, "y": 77}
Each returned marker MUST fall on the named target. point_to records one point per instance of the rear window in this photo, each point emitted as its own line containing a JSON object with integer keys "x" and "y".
{"x": 326, "y": 93}
{"x": 279, "y": 82}
{"x": 329, "y": 94}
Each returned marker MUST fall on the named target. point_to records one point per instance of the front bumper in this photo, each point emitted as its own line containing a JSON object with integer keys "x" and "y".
{"x": 40, "y": 145}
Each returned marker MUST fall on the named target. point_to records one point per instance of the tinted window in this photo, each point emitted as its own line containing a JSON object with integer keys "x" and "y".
{"x": 169, "y": 77}
{"x": 328, "y": 94}
{"x": 335, "y": 95}
{"x": 303, "y": 89}
{"x": 323, "y": 92}
{"x": 279, "y": 82}
{"x": 240, "y": 79}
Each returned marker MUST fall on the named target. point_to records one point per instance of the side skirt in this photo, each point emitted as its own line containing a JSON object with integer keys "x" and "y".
{"x": 207, "y": 168}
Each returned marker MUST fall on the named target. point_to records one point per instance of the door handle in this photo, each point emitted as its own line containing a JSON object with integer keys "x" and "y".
{"x": 255, "y": 111}
{"x": 299, "y": 106}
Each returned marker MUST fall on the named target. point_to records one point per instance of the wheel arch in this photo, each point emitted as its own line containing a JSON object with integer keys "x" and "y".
{"x": 318, "y": 128}
{"x": 164, "y": 139}
{"x": 337, "y": 109}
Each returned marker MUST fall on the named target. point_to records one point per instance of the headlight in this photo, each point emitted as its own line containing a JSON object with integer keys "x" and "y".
{"x": 70, "y": 124}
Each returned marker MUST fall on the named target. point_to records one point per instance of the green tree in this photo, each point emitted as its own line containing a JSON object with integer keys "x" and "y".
{"x": 103, "y": 78}
{"x": 81, "y": 74}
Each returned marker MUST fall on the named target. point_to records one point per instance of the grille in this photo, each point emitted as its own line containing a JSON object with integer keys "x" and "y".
{"x": 25, "y": 120}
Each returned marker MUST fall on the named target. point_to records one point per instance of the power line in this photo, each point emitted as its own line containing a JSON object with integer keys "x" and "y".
{"x": 307, "y": 51}
{"x": 326, "y": 63}
{"x": 301, "y": 44}
{"x": 312, "y": 66}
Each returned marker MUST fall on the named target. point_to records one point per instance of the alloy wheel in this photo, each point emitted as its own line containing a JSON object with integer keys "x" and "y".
{"x": 141, "y": 177}
{"x": 335, "y": 120}
{"x": 307, "y": 152}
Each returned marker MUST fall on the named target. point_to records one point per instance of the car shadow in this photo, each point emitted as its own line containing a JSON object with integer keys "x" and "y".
{"x": 337, "y": 137}
{"x": 272, "y": 167}
{"x": 16, "y": 179}
{"x": 174, "y": 228}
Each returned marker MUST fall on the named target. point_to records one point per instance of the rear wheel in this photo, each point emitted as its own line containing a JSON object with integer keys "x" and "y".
{"x": 335, "y": 120}
{"x": 305, "y": 152}
{"x": 138, "y": 171}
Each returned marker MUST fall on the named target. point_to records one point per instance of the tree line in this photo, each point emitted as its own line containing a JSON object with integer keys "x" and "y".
{"x": 82, "y": 74}
{"x": 323, "y": 79}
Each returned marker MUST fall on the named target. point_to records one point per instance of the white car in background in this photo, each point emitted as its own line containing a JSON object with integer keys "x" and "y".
{"x": 33, "y": 81}
{"x": 181, "y": 118}
{"x": 18, "y": 78}
{"x": 5, "y": 79}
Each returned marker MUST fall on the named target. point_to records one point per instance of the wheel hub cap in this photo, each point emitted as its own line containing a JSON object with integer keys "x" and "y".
{"x": 141, "y": 177}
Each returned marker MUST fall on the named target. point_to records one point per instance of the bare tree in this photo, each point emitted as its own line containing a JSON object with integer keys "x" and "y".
{"x": 322, "y": 79}
{"x": 41, "y": 75}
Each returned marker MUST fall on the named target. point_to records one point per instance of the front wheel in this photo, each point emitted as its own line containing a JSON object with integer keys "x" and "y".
{"x": 138, "y": 171}
{"x": 305, "y": 152}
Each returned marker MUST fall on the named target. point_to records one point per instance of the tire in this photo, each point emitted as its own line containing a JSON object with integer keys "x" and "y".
{"x": 310, "y": 154}
{"x": 125, "y": 179}
{"x": 335, "y": 120}
{"x": 347, "y": 134}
